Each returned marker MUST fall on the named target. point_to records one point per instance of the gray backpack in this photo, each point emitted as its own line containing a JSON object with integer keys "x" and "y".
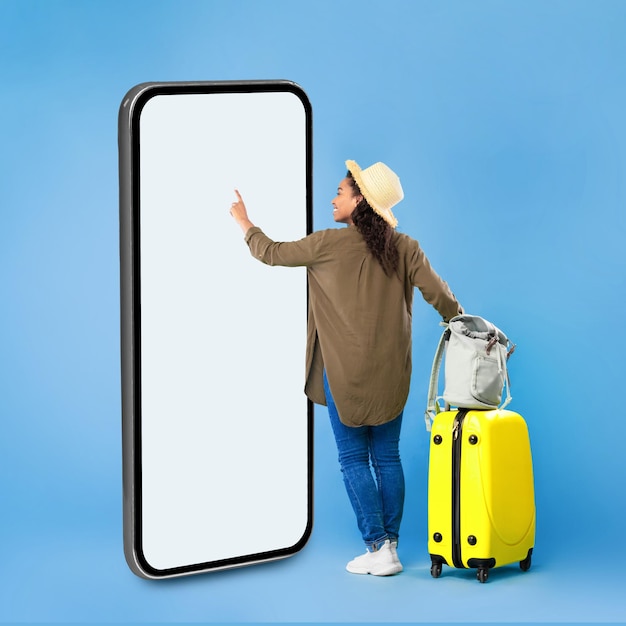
{"x": 475, "y": 373}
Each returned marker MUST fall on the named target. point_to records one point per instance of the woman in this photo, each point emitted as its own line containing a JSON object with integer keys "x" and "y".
{"x": 358, "y": 358}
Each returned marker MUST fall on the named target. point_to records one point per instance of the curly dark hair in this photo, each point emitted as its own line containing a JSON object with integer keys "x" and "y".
{"x": 378, "y": 234}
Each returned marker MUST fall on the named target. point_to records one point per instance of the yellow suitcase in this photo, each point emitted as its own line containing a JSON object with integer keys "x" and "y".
{"x": 481, "y": 502}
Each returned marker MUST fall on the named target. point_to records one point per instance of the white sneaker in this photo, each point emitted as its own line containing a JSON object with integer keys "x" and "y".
{"x": 394, "y": 551}
{"x": 383, "y": 562}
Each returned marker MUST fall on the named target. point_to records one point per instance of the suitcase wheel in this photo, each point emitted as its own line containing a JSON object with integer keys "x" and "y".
{"x": 525, "y": 564}
{"x": 482, "y": 574}
{"x": 435, "y": 570}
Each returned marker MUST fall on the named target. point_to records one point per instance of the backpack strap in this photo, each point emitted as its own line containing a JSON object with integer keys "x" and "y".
{"x": 432, "y": 406}
{"x": 507, "y": 380}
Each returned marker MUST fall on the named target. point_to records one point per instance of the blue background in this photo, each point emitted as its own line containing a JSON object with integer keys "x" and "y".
{"x": 505, "y": 122}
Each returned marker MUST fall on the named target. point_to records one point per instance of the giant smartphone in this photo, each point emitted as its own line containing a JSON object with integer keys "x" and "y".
{"x": 217, "y": 431}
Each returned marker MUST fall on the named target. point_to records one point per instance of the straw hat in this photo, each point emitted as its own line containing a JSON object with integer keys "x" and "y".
{"x": 380, "y": 186}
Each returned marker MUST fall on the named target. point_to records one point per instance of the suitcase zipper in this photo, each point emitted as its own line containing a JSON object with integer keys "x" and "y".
{"x": 457, "y": 432}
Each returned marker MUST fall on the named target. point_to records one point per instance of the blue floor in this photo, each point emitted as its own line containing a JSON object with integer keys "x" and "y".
{"x": 84, "y": 579}
{"x": 68, "y": 569}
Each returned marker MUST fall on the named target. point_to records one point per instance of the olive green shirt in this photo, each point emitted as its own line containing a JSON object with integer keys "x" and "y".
{"x": 359, "y": 321}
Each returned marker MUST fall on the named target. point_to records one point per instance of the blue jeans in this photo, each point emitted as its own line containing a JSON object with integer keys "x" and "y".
{"x": 378, "y": 505}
